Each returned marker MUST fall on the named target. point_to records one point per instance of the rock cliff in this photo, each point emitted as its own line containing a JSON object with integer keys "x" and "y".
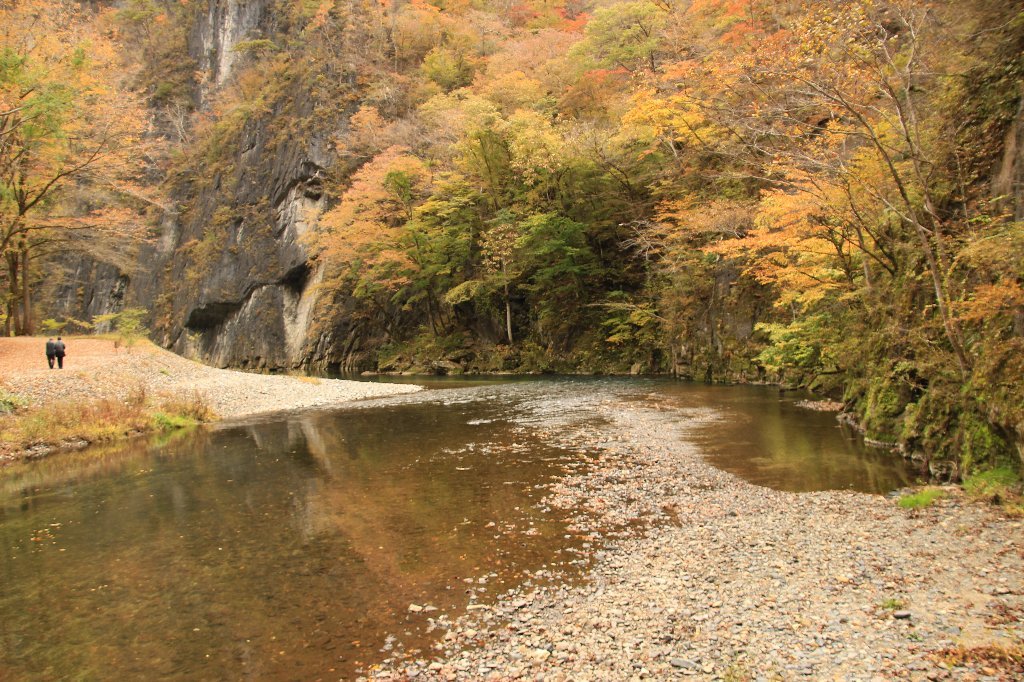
{"x": 228, "y": 279}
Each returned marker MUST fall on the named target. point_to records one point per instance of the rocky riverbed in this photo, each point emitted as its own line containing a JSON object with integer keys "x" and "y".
{"x": 697, "y": 574}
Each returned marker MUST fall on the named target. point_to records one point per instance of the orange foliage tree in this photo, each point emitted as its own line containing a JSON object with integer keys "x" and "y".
{"x": 70, "y": 139}
{"x": 360, "y": 240}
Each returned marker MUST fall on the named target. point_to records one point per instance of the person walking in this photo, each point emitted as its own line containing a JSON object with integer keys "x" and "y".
{"x": 51, "y": 351}
{"x": 59, "y": 350}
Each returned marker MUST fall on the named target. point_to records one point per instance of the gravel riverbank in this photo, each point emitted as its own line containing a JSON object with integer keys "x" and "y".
{"x": 697, "y": 574}
{"x": 96, "y": 369}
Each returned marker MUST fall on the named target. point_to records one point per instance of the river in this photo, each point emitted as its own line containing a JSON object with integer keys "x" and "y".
{"x": 308, "y": 545}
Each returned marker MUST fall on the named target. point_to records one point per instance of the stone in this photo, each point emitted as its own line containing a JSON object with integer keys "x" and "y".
{"x": 785, "y": 587}
{"x": 683, "y": 663}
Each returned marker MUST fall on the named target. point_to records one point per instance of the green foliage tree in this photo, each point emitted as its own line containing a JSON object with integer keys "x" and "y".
{"x": 625, "y": 35}
{"x": 130, "y": 327}
{"x": 448, "y": 68}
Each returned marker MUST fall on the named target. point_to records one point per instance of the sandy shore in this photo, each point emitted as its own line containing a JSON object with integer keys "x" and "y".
{"x": 698, "y": 574}
{"x": 96, "y": 369}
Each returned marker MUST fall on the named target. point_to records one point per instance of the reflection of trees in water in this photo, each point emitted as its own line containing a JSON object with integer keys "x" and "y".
{"x": 306, "y": 534}
{"x": 213, "y": 554}
{"x": 406, "y": 511}
{"x": 765, "y": 438}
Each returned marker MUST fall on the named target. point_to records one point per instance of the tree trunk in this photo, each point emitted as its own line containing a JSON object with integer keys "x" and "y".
{"x": 948, "y": 321}
{"x": 13, "y": 316}
{"x": 508, "y": 317}
{"x": 26, "y": 291}
{"x": 508, "y": 306}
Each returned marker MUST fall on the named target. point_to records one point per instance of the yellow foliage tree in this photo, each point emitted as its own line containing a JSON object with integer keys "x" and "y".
{"x": 71, "y": 137}
{"x": 360, "y": 239}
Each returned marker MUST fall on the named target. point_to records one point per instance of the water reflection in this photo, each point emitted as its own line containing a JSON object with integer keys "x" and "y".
{"x": 286, "y": 550}
{"x": 290, "y": 548}
{"x": 767, "y": 439}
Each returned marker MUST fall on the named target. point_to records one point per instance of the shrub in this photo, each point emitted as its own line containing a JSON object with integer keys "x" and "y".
{"x": 10, "y": 402}
{"x": 997, "y": 485}
{"x": 127, "y": 323}
{"x": 163, "y": 421}
{"x": 192, "y": 406}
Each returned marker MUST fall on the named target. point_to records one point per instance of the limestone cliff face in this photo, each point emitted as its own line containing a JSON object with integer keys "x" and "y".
{"x": 86, "y": 287}
{"x": 228, "y": 281}
{"x": 250, "y": 306}
{"x": 226, "y": 23}
{"x": 242, "y": 290}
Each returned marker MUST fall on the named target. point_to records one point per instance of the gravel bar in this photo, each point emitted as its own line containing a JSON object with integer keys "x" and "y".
{"x": 697, "y": 574}
{"x": 98, "y": 369}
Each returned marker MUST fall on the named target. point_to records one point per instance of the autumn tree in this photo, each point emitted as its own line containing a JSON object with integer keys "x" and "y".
{"x": 70, "y": 139}
{"x": 624, "y": 35}
{"x": 858, "y": 118}
{"x": 839, "y": 123}
{"x": 360, "y": 240}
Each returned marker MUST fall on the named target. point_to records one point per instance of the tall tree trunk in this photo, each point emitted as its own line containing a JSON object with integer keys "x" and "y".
{"x": 508, "y": 306}
{"x": 430, "y": 315}
{"x": 13, "y": 316}
{"x": 26, "y": 292}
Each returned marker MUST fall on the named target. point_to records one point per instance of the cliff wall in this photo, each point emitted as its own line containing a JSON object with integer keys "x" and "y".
{"x": 227, "y": 278}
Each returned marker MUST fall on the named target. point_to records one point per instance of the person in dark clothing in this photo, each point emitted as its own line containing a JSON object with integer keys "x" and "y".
{"x": 51, "y": 351}
{"x": 59, "y": 351}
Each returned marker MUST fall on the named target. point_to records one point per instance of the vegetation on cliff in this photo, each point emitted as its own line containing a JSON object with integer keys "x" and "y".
{"x": 798, "y": 193}
{"x": 729, "y": 190}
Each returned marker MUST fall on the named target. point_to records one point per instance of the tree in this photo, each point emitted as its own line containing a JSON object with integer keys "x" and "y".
{"x": 442, "y": 240}
{"x": 499, "y": 250}
{"x": 70, "y": 138}
{"x": 624, "y": 35}
{"x": 360, "y": 239}
{"x": 847, "y": 106}
{"x": 559, "y": 268}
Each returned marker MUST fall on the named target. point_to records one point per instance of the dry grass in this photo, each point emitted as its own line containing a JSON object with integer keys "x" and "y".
{"x": 996, "y": 659}
{"x": 99, "y": 421}
{"x": 192, "y": 405}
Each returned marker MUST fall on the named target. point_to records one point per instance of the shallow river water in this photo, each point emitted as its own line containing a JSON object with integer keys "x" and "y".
{"x": 291, "y": 547}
